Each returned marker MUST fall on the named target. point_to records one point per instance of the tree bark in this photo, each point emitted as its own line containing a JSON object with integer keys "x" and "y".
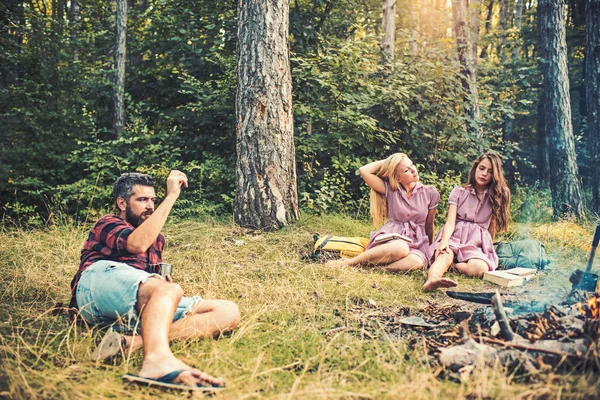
{"x": 120, "y": 58}
{"x": 592, "y": 84}
{"x": 474, "y": 22}
{"x": 74, "y": 18}
{"x": 564, "y": 182}
{"x": 518, "y": 23}
{"x": 543, "y": 159}
{"x": 388, "y": 27}
{"x": 488, "y": 26}
{"x": 266, "y": 188}
{"x": 503, "y": 22}
{"x": 414, "y": 43}
{"x": 462, "y": 33}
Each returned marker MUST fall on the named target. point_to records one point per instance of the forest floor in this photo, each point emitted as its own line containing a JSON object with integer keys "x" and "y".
{"x": 303, "y": 332}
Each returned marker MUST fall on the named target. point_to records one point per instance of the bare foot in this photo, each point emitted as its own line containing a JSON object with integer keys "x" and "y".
{"x": 337, "y": 263}
{"x": 438, "y": 283}
{"x": 156, "y": 366}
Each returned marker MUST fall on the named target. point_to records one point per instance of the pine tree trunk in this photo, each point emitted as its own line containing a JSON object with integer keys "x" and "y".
{"x": 414, "y": 41}
{"x": 426, "y": 21}
{"x": 518, "y": 23}
{"x": 266, "y": 189}
{"x": 120, "y": 57}
{"x": 474, "y": 22}
{"x": 592, "y": 84}
{"x": 564, "y": 181}
{"x": 462, "y": 32}
{"x": 388, "y": 26}
{"x": 543, "y": 159}
{"x": 11, "y": 19}
{"x": 503, "y": 23}
{"x": 488, "y": 26}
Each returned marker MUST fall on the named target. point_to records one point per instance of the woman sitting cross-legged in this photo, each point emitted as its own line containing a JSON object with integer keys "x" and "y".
{"x": 409, "y": 206}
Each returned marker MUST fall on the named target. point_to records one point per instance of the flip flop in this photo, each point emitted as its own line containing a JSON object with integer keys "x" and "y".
{"x": 111, "y": 345}
{"x": 168, "y": 382}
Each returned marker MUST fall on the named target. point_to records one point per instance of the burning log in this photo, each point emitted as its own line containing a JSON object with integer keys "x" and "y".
{"x": 591, "y": 311}
{"x": 505, "y": 329}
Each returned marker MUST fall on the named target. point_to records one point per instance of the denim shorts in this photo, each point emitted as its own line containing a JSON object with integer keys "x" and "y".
{"x": 107, "y": 295}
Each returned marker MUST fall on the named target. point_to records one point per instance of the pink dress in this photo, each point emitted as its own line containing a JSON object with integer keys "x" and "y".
{"x": 407, "y": 216}
{"x": 471, "y": 238}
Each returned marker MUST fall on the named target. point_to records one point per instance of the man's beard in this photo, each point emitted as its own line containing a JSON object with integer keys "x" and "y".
{"x": 135, "y": 220}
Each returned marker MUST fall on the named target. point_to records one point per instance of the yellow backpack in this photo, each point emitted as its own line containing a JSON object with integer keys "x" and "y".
{"x": 329, "y": 246}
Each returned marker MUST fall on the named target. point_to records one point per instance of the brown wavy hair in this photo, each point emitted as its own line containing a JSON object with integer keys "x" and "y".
{"x": 498, "y": 191}
{"x": 387, "y": 172}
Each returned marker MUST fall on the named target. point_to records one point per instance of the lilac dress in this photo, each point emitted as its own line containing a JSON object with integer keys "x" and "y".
{"x": 471, "y": 238}
{"x": 407, "y": 216}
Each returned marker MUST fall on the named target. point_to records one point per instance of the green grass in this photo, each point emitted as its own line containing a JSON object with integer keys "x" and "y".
{"x": 305, "y": 331}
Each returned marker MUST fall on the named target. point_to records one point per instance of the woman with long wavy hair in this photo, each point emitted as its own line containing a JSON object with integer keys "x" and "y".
{"x": 476, "y": 212}
{"x": 409, "y": 207}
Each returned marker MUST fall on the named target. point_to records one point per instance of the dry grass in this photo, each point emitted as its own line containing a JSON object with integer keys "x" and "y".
{"x": 284, "y": 347}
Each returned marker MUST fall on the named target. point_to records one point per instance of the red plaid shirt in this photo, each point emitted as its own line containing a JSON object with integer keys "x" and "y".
{"x": 108, "y": 241}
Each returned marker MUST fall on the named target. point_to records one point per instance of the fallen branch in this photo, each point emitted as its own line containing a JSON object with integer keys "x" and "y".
{"x": 530, "y": 348}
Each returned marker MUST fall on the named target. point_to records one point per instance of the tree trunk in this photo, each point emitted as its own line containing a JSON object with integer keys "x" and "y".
{"x": 508, "y": 119}
{"x": 564, "y": 182}
{"x": 468, "y": 72}
{"x": 543, "y": 160}
{"x": 266, "y": 189}
{"x": 438, "y": 9}
{"x": 503, "y": 5}
{"x": 474, "y": 20}
{"x": 518, "y": 23}
{"x": 388, "y": 26}
{"x": 120, "y": 57}
{"x": 592, "y": 84}
{"x": 74, "y": 17}
{"x": 426, "y": 20}
{"x": 488, "y": 26}
{"x": 414, "y": 42}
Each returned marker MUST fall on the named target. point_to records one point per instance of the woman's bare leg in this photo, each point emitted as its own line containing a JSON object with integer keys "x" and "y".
{"x": 438, "y": 268}
{"x": 383, "y": 254}
{"x": 473, "y": 267}
{"x": 411, "y": 262}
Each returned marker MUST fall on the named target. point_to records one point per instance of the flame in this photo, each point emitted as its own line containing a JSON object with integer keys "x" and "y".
{"x": 591, "y": 309}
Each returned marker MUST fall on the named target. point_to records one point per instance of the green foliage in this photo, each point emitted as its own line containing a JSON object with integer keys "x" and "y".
{"x": 444, "y": 186}
{"x": 60, "y": 154}
{"x": 531, "y": 204}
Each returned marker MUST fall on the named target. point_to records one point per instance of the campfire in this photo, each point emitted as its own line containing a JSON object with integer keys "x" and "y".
{"x": 590, "y": 310}
{"x": 528, "y": 338}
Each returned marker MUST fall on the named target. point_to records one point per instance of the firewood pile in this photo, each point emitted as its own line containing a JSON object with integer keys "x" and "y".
{"x": 462, "y": 335}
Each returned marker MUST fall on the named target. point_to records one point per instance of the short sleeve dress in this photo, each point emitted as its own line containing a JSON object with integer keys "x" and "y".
{"x": 471, "y": 238}
{"x": 407, "y": 216}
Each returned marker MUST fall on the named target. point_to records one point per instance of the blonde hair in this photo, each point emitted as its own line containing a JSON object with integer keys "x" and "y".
{"x": 387, "y": 172}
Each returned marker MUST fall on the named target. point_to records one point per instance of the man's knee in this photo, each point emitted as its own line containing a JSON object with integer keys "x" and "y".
{"x": 158, "y": 287}
{"x": 231, "y": 312}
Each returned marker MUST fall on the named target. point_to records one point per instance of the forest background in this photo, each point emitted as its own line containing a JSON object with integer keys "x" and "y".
{"x": 60, "y": 151}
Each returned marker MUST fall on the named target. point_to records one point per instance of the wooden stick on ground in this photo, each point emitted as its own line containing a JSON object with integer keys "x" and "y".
{"x": 531, "y": 348}
{"x": 505, "y": 329}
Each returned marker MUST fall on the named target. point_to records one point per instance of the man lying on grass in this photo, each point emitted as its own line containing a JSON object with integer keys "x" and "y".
{"x": 115, "y": 285}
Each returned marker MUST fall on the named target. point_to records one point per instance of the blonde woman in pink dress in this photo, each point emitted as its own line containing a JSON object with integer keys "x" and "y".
{"x": 408, "y": 205}
{"x": 476, "y": 212}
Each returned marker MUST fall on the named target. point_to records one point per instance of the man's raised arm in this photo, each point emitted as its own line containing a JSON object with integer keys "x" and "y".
{"x": 144, "y": 235}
